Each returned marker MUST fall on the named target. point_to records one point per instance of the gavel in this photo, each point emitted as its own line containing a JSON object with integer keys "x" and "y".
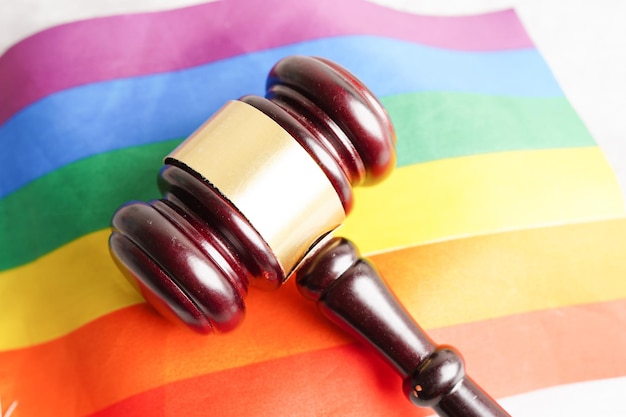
{"x": 254, "y": 196}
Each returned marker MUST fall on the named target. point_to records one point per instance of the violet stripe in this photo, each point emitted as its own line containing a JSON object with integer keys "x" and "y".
{"x": 130, "y": 45}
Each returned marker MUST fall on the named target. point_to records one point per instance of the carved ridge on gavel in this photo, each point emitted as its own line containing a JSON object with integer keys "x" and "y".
{"x": 253, "y": 197}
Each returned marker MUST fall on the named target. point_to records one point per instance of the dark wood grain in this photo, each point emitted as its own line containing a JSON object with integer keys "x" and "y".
{"x": 194, "y": 231}
{"x": 351, "y": 293}
{"x": 193, "y": 255}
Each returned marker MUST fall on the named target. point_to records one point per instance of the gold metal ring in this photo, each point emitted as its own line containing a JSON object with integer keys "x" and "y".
{"x": 267, "y": 175}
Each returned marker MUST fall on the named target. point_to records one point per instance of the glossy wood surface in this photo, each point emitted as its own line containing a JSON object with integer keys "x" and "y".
{"x": 193, "y": 255}
{"x": 350, "y": 292}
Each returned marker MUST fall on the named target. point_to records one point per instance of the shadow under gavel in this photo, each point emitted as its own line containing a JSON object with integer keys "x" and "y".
{"x": 253, "y": 197}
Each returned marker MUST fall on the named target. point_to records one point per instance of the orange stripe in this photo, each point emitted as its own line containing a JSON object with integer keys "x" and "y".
{"x": 520, "y": 271}
{"x": 131, "y": 350}
{"x": 507, "y": 356}
{"x": 150, "y": 352}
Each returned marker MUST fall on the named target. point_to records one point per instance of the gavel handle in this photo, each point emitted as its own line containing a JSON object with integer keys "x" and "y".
{"x": 350, "y": 292}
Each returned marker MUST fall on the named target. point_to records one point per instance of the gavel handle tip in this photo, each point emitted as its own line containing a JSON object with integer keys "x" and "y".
{"x": 350, "y": 292}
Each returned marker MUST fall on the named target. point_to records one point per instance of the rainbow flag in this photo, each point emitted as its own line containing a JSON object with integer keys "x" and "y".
{"x": 502, "y": 229}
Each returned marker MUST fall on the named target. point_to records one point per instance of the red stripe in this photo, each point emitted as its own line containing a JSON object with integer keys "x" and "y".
{"x": 131, "y": 45}
{"x": 536, "y": 350}
{"x": 326, "y": 382}
{"x": 132, "y": 351}
{"x": 506, "y": 356}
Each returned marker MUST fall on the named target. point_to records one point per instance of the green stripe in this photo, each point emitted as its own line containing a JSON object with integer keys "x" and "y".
{"x": 433, "y": 126}
{"x": 75, "y": 200}
{"x": 81, "y": 197}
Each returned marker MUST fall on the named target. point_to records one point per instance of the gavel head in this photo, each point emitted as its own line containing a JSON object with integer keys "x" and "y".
{"x": 248, "y": 195}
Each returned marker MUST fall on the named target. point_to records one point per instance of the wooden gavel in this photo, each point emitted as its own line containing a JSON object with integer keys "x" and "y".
{"x": 254, "y": 195}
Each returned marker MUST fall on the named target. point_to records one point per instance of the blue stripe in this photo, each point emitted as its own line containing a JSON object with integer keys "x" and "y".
{"x": 99, "y": 117}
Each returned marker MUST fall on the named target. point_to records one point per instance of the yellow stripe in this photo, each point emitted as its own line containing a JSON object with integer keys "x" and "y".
{"x": 484, "y": 194}
{"x": 60, "y": 292}
{"x": 78, "y": 282}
